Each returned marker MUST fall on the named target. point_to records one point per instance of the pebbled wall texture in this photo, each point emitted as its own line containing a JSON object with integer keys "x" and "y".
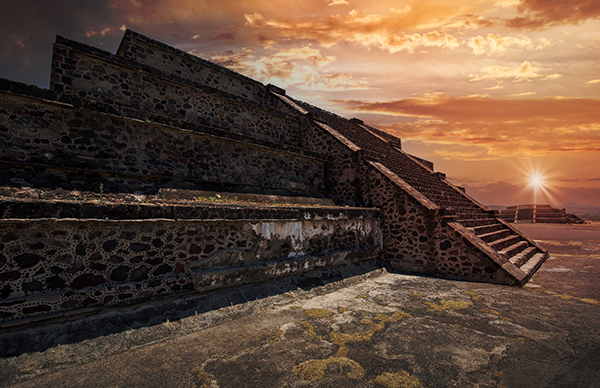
{"x": 79, "y": 71}
{"x": 152, "y": 118}
{"x": 160, "y": 56}
{"x": 56, "y": 265}
{"x": 417, "y": 238}
{"x": 45, "y": 133}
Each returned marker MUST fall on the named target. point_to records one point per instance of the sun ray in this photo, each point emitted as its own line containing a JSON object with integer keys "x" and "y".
{"x": 538, "y": 182}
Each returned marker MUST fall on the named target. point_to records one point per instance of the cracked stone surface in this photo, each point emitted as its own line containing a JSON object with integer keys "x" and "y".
{"x": 379, "y": 329}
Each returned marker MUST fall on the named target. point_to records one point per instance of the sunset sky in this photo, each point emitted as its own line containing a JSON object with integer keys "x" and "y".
{"x": 494, "y": 92}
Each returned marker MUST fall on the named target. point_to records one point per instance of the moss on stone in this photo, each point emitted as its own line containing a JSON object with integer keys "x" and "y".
{"x": 402, "y": 379}
{"x": 490, "y": 311}
{"x": 471, "y": 293}
{"x": 276, "y": 337}
{"x": 448, "y": 305}
{"x": 310, "y": 328}
{"x": 564, "y": 297}
{"x": 314, "y": 370}
{"x": 203, "y": 376}
{"x": 399, "y": 315}
{"x": 590, "y": 301}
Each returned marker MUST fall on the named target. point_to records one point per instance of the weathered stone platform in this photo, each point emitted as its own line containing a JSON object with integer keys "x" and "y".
{"x": 375, "y": 329}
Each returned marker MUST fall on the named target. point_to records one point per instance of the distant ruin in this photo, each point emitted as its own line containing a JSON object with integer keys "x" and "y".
{"x": 151, "y": 172}
{"x": 540, "y": 214}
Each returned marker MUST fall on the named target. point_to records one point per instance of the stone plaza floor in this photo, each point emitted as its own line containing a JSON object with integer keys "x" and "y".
{"x": 377, "y": 329}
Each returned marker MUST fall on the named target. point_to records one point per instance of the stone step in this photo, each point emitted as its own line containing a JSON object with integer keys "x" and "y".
{"x": 514, "y": 249}
{"x": 473, "y": 217}
{"x": 495, "y": 236}
{"x": 467, "y": 210}
{"x": 505, "y": 242}
{"x": 533, "y": 263}
{"x": 474, "y": 222}
{"x": 520, "y": 258}
{"x": 479, "y": 230}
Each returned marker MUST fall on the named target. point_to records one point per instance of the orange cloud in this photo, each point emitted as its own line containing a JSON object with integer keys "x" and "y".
{"x": 338, "y": 2}
{"x": 523, "y": 72}
{"x": 306, "y": 53}
{"x": 496, "y": 44}
{"x": 366, "y": 29}
{"x": 103, "y": 32}
{"x": 289, "y": 67}
{"x": 544, "y": 14}
{"x": 522, "y": 94}
{"x": 494, "y": 127}
{"x": 337, "y": 81}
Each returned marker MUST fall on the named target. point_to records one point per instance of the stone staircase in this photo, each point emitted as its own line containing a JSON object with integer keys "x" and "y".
{"x": 133, "y": 178}
{"x": 507, "y": 246}
{"x": 432, "y": 185}
{"x": 518, "y": 255}
{"x": 150, "y": 173}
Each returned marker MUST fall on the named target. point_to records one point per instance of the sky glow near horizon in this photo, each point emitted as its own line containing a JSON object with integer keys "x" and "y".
{"x": 492, "y": 91}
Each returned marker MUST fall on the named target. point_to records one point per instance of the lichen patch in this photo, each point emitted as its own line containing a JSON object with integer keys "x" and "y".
{"x": 448, "y": 305}
{"x": 314, "y": 370}
{"x": 402, "y": 379}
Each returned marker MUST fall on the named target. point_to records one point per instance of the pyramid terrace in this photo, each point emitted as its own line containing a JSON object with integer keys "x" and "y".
{"x": 151, "y": 173}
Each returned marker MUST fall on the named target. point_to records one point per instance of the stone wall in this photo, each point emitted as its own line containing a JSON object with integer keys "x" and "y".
{"x": 409, "y": 239}
{"x": 408, "y": 226}
{"x": 416, "y": 236}
{"x": 81, "y": 72}
{"x": 342, "y": 174}
{"x": 181, "y": 64}
{"x": 459, "y": 259}
{"x": 37, "y": 133}
{"x": 153, "y": 118}
{"x": 53, "y": 266}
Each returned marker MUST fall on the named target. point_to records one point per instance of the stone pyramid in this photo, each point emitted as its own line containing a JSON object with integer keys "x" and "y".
{"x": 151, "y": 173}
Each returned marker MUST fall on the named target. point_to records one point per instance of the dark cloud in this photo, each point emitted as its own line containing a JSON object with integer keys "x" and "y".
{"x": 506, "y": 194}
{"x": 503, "y": 127}
{"x": 28, "y": 29}
{"x": 223, "y": 36}
{"x": 571, "y": 180}
{"x": 486, "y": 109}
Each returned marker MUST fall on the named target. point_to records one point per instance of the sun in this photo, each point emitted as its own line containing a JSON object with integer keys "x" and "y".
{"x": 539, "y": 186}
{"x": 537, "y": 181}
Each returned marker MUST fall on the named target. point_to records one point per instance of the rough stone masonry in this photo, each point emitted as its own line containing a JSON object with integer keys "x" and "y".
{"x": 151, "y": 173}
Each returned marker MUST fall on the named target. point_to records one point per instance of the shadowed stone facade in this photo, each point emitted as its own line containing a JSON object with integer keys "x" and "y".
{"x": 150, "y": 173}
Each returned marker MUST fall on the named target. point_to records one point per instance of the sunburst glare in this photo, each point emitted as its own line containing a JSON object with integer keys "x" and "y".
{"x": 536, "y": 181}
{"x": 538, "y": 184}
